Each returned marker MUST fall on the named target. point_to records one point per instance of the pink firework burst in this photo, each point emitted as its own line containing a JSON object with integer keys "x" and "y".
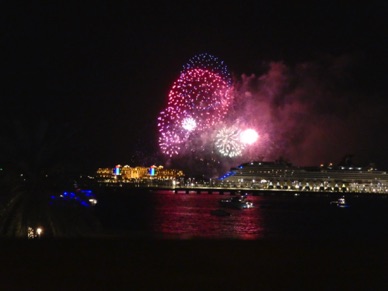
{"x": 202, "y": 95}
{"x": 172, "y": 134}
{"x": 197, "y": 101}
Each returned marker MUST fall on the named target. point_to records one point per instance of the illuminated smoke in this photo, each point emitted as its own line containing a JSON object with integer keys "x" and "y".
{"x": 308, "y": 114}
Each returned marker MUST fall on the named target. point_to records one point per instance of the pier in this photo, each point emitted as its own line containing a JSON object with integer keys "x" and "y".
{"x": 211, "y": 190}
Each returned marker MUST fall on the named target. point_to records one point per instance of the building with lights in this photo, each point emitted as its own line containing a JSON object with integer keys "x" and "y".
{"x": 132, "y": 175}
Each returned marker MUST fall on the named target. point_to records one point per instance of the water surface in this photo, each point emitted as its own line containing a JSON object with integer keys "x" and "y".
{"x": 164, "y": 214}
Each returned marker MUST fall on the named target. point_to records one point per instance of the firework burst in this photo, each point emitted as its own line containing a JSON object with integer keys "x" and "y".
{"x": 198, "y": 100}
{"x": 249, "y": 136}
{"x": 171, "y": 134}
{"x": 210, "y": 63}
{"x": 202, "y": 96}
{"x": 228, "y": 142}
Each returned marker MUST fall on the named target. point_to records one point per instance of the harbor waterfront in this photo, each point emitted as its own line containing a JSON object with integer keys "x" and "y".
{"x": 157, "y": 237}
{"x": 254, "y": 176}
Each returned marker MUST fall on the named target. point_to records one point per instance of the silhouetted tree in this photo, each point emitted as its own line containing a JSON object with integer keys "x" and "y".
{"x": 36, "y": 162}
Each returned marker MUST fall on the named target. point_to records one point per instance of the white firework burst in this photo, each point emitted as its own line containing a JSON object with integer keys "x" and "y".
{"x": 189, "y": 123}
{"x": 228, "y": 142}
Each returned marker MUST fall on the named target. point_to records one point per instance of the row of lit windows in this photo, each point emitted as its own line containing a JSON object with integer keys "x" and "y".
{"x": 127, "y": 172}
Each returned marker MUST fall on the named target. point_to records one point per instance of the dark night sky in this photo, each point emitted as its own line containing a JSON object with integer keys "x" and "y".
{"x": 108, "y": 69}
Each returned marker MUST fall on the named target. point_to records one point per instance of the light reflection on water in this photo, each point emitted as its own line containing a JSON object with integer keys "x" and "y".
{"x": 189, "y": 215}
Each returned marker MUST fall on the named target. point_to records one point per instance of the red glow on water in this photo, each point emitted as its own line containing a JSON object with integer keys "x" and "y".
{"x": 184, "y": 215}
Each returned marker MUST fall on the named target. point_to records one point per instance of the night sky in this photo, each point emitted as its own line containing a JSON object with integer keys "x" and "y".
{"x": 315, "y": 75}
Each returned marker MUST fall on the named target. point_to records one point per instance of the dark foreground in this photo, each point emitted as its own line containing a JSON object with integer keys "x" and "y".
{"x": 155, "y": 264}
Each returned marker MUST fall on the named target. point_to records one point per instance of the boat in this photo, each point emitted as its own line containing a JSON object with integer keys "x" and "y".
{"x": 78, "y": 196}
{"x": 239, "y": 202}
{"x": 284, "y": 176}
{"x": 341, "y": 202}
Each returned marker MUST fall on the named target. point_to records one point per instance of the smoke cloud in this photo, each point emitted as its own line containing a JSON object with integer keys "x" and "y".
{"x": 308, "y": 113}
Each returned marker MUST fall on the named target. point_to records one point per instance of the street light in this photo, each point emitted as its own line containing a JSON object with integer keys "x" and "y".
{"x": 39, "y": 231}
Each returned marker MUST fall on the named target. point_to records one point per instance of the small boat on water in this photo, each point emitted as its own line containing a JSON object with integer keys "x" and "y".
{"x": 237, "y": 202}
{"x": 341, "y": 202}
{"x": 78, "y": 196}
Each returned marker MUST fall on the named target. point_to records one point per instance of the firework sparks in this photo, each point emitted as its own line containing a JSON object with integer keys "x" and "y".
{"x": 171, "y": 134}
{"x": 228, "y": 142}
{"x": 189, "y": 123}
{"x": 202, "y": 96}
{"x": 249, "y": 136}
{"x": 198, "y": 100}
{"x": 210, "y": 63}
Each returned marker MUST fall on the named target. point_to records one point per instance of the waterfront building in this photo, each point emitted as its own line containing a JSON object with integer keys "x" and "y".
{"x": 127, "y": 175}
